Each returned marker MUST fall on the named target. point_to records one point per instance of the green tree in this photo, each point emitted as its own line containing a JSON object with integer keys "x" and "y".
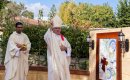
{"x": 123, "y": 14}
{"x": 82, "y": 15}
{"x": 28, "y": 14}
{"x": 52, "y": 12}
{"x": 66, "y": 12}
{"x": 9, "y": 13}
{"x": 40, "y": 14}
{"x": 85, "y": 15}
{"x": 3, "y": 3}
{"x": 104, "y": 15}
{"x": 14, "y": 9}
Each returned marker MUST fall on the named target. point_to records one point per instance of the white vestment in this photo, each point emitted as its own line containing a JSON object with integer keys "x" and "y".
{"x": 16, "y": 61}
{"x": 58, "y": 63}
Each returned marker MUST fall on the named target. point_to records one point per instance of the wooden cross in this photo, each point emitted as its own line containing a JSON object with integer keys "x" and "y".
{"x": 104, "y": 62}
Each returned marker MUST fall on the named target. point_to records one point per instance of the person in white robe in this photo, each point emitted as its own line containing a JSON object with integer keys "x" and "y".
{"x": 17, "y": 52}
{"x": 58, "y": 52}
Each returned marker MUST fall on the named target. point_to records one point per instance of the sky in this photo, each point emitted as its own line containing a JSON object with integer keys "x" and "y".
{"x": 35, "y": 5}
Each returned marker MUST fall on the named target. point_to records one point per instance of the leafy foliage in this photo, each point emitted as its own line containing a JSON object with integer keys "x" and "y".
{"x": 40, "y": 14}
{"x": 52, "y": 12}
{"x": 3, "y": 4}
{"x": 123, "y": 14}
{"x": 75, "y": 36}
{"x": 77, "y": 39}
{"x": 87, "y": 15}
{"x": 28, "y": 14}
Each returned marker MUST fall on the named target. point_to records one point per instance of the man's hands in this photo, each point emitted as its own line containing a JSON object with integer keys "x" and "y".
{"x": 22, "y": 47}
{"x": 63, "y": 48}
{"x": 18, "y": 45}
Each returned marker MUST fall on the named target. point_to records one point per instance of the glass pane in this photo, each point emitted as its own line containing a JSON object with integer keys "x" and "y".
{"x": 107, "y": 59}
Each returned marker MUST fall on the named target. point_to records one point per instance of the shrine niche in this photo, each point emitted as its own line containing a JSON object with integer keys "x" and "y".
{"x": 108, "y": 53}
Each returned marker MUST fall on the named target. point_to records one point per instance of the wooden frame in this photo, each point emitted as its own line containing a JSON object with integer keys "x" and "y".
{"x": 118, "y": 53}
